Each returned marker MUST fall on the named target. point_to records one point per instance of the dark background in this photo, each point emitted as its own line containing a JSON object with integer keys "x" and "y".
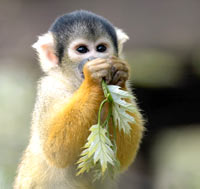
{"x": 163, "y": 52}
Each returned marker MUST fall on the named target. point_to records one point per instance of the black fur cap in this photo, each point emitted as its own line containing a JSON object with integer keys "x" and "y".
{"x": 80, "y": 23}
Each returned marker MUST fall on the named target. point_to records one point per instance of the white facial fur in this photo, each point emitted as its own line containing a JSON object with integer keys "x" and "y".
{"x": 76, "y": 56}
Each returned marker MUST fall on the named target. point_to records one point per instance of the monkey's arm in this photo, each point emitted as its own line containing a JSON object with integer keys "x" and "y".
{"x": 68, "y": 128}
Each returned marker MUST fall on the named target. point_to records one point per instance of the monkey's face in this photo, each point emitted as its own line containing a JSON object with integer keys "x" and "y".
{"x": 81, "y": 49}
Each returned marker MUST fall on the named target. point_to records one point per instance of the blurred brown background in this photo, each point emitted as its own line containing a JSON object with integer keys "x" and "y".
{"x": 164, "y": 54}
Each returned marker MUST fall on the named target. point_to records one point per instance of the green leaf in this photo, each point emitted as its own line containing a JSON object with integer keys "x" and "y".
{"x": 100, "y": 153}
{"x": 120, "y": 108}
{"x": 98, "y": 148}
{"x": 115, "y": 89}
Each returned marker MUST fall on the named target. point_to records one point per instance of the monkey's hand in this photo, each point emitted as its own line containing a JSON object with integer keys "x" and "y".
{"x": 96, "y": 70}
{"x": 114, "y": 70}
{"x": 119, "y": 72}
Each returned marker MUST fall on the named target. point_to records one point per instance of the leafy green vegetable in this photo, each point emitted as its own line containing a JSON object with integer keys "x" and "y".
{"x": 100, "y": 151}
{"x": 120, "y": 108}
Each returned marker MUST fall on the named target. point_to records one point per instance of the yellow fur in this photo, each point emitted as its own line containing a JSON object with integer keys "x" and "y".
{"x": 69, "y": 128}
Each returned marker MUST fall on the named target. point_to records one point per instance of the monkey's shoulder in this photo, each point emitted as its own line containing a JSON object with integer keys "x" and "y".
{"x": 52, "y": 86}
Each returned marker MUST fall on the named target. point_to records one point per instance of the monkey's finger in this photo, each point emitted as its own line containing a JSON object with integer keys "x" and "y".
{"x": 106, "y": 75}
{"x": 120, "y": 83}
{"x": 101, "y": 74}
{"x": 120, "y": 66}
{"x": 96, "y": 61}
{"x": 114, "y": 58}
{"x": 119, "y": 76}
{"x": 119, "y": 61}
{"x": 99, "y": 67}
{"x": 91, "y": 65}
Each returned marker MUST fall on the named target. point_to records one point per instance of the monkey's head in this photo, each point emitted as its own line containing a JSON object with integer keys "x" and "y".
{"x": 77, "y": 36}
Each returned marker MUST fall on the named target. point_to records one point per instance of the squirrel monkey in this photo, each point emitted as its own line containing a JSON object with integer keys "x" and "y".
{"x": 68, "y": 100}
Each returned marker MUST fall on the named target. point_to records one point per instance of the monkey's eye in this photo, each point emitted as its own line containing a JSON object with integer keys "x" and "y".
{"x": 101, "y": 48}
{"x": 82, "y": 49}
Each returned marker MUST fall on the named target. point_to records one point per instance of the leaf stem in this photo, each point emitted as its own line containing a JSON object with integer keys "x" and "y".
{"x": 108, "y": 116}
{"x": 100, "y": 110}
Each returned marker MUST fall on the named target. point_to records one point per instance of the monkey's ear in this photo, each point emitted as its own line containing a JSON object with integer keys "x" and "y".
{"x": 122, "y": 37}
{"x": 46, "y": 53}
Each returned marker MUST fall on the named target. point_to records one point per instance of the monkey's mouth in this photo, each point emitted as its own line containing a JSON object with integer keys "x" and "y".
{"x": 82, "y": 63}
